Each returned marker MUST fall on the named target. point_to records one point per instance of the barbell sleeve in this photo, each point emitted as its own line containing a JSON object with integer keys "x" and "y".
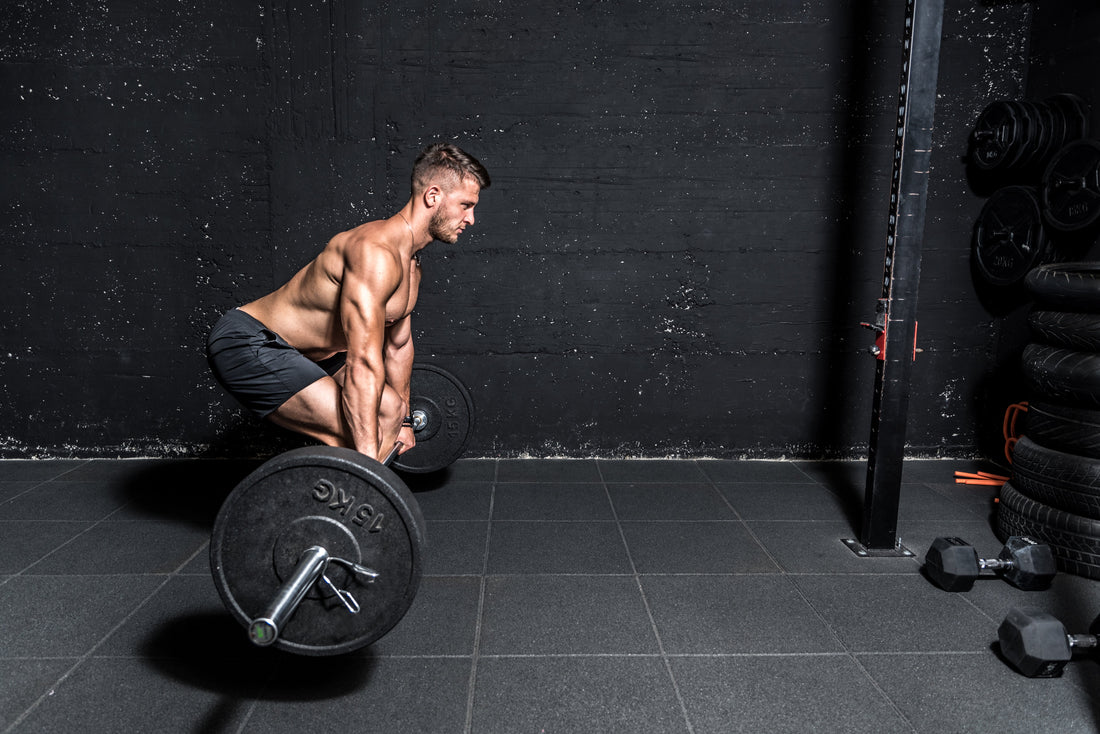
{"x": 264, "y": 630}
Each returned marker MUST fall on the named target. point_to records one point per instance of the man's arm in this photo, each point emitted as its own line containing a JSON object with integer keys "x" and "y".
{"x": 371, "y": 276}
{"x": 399, "y": 354}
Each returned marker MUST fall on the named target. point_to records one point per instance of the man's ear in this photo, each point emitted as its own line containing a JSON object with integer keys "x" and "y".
{"x": 432, "y": 196}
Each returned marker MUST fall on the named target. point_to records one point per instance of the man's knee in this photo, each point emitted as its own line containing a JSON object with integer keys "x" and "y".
{"x": 315, "y": 411}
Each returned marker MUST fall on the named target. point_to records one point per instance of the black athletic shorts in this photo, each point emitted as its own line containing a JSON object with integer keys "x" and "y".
{"x": 257, "y": 367}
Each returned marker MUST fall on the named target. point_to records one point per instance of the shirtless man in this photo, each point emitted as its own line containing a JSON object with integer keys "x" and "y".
{"x": 330, "y": 353}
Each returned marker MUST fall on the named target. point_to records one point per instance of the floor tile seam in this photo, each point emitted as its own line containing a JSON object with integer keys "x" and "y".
{"x": 804, "y": 473}
{"x": 661, "y": 650}
{"x": 962, "y": 505}
{"x": 705, "y": 480}
{"x": 661, "y": 656}
{"x": 649, "y": 614}
{"x": 655, "y": 574}
{"x": 93, "y": 524}
{"x": 656, "y": 482}
{"x": 629, "y": 521}
{"x": 822, "y": 619}
{"x": 471, "y": 685}
{"x": 123, "y": 521}
{"x": 838, "y": 638}
{"x": 248, "y": 659}
{"x": 883, "y": 694}
{"x": 178, "y": 571}
{"x": 115, "y": 574}
{"x": 564, "y": 655}
{"x": 38, "y": 657}
{"x": 537, "y": 482}
{"x": 915, "y": 571}
{"x": 508, "y": 575}
{"x": 849, "y": 649}
{"x": 1080, "y": 685}
{"x": 966, "y": 598}
{"x": 917, "y": 653}
{"x": 767, "y": 482}
{"x": 755, "y": 539}
{"x": 795, "y": 521}
{"x": 28, "y": 490}
{"x": 91, "y": 651}
{"x": 616, "y": 574}
{"x": 70, "y": 470}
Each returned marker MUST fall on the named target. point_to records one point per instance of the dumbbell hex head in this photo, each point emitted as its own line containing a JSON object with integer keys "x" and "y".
{"x": 952, "y": 564}
{"x": 1035, "y": 643}
{"x": 1029, "y": 565}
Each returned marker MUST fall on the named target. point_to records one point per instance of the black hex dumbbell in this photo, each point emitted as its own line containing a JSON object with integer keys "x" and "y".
{"x": 952, "y": 564}
{"x": 1037, "y": 645}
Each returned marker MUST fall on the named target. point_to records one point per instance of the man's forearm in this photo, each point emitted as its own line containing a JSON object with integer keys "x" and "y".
{"x": 399, "y": 363}
{"x": 361, "y": 397}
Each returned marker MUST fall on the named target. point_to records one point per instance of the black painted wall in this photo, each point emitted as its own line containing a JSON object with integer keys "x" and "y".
{"x": 685, "y": 228}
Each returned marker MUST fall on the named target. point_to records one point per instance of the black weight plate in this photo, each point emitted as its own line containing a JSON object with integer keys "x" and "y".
{"x": 1050, "y": 139}
{"x": 1075, "y": 112}
{"x": 1038, "y": 130}
{"x": 330, "y": 534}
{"x": 449, "y": 410}
{"x": 294, "y": 499}
{"x": 1009, "y": 239}
{"x": 1071, "y": 187}
{"x": 1020, "y": 152}
{"x": 996, "y": 136}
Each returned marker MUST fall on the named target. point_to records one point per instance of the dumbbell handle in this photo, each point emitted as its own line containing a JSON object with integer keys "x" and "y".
{"x": 264, "y": 630}
{"x": 1083, "y": 641}
{"x": 995, "y": 564}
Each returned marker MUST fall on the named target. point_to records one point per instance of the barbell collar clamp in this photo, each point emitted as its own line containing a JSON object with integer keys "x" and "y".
{"x": 367, "y": 575}
{"x": 343, "y": 595}
{"x": 356, "y": 568}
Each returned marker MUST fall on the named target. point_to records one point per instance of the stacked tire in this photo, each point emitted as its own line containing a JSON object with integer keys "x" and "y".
{"x": 1054, "y": 494}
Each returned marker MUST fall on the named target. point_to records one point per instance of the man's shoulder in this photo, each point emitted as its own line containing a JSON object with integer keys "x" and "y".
{"x": 368, "y": 236}
{"x": 368, "y": 246}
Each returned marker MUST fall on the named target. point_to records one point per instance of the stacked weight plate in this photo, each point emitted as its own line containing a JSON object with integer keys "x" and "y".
{"x": 1036, "y": 153}
{"x": 1054, "y": 494}
{"x": 1015, "y": 138}
{"x": 1071, "y": 187}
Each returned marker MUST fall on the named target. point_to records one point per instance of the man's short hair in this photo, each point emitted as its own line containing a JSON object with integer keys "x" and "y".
{"x": 450, "y": 161}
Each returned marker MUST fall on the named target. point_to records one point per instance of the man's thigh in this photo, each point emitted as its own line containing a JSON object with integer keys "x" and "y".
{"x": 256, "y": 366}
{"x": 316, "y": 411}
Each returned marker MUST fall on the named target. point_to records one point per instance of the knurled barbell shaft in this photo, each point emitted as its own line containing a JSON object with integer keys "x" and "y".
{"x": 393, "y": 453}
{"x": 264, "y": 630}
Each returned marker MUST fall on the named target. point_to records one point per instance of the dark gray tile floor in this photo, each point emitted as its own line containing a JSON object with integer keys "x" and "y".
{"x": 559, "y": 596}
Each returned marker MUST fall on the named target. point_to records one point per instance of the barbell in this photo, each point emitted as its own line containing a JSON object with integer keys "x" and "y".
{"x": 319, "y": 551}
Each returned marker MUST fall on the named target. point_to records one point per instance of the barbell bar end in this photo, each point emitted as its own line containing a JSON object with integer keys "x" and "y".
{"x": 264, "y": 630}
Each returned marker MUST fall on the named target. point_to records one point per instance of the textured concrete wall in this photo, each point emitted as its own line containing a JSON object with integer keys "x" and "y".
{"x": 685, "y": 228}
